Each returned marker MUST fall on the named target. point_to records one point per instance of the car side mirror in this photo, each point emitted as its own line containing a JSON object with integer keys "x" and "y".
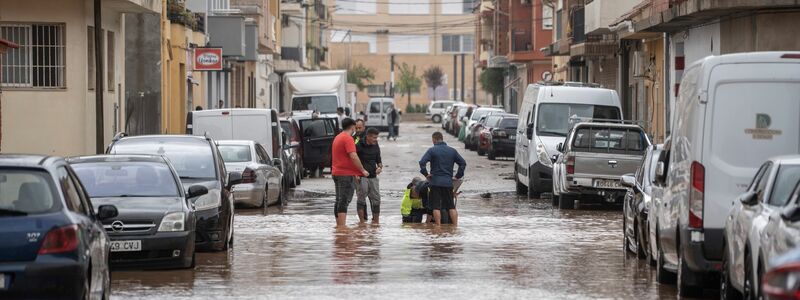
{"x": 560, "y": 147}
{"x": 234, "y": 178}
{"x": 105, "y": 212}
{"x": 660, "y": 172}
{"x": 749, "y": 198}
{"x": 276, "y": 162}
{"x": 196, "y": 191}
{"x": 628, "y": 180}
{"x": 529, "y": 131}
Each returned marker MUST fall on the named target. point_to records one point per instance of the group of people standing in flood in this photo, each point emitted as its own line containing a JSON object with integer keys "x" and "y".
{"x": 356, "y": 164}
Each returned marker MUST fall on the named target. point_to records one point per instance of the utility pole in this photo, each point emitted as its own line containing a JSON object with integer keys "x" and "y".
{"x": 391, "y": 77}
{"x": 98, "y": 89}
{"x": 455, "y": 76}
{"x": 462, "y": 76}
{"x": 474, "y": 81}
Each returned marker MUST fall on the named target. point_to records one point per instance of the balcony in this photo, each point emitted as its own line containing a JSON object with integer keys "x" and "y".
{"x": 178, "y": 14}
{"x": 599, "y": 14}
{"x": 133, "y": 6}
{"x": 521, "y": 41}
{"x": 595, "y": 45}
{"x": 676, "y": 15}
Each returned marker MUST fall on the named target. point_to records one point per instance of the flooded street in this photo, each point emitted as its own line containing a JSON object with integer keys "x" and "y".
{"x": 504, "y": 247}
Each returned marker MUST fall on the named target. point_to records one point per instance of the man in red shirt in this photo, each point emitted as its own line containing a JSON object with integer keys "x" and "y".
{"x": 345, "y": 168}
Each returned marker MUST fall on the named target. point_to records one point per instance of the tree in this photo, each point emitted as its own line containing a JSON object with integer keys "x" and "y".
{"x": 408, "y": 82}
{"x": 360, "y": 75}
{"x": 492, "y": 82}
{"x": 433, "y": 78}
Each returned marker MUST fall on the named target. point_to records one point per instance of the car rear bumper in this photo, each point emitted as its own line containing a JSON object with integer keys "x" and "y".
{"x": 160, "y": 251}
{"x": 210, "y": 229}
{"x": 248, "y": 194}
{"x": 46, "y": 277}
{"x": 693, "y": 243}
{"x": 504, "y": 147}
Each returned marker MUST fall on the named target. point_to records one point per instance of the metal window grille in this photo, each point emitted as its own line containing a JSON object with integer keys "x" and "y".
{"x": 39, "y": 62}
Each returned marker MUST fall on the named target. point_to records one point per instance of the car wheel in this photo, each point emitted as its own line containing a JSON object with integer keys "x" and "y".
{"x": 726, "y": 291}
{"x": 566, "y": 202}
{"x": 491, "y": 155}
{"x": 436, "y": 118}
{"x": 684, "y": 289}
{"x": 532, "y": 193}
{"x": 663, "y": 276}
{"x": 640, "y": 246}
{"x": 481, "y": 152}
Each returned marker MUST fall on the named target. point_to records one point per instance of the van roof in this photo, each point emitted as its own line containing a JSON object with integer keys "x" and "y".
{"x": 750, "y": 57}
{"x": 787, "y": 159}
{"x": 239, "y": 111}
{"x": 588, "y": 95}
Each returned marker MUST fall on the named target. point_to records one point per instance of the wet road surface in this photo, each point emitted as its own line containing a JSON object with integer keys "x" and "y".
{"x": 504, "y": 247}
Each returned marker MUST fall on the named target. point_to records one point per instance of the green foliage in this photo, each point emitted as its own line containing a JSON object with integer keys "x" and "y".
{"x": 410, "y": 108}
{"x": 421, "y": 108}
{"x": 360, "y": 75}
{"x": 492, "y": 81}
{"x": 408, "y": 82}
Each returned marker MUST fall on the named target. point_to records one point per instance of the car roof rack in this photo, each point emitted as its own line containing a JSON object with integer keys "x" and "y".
{"x": 119, "y": 136}
{"x": 576, "y": 120}
{"x": 570, "y": 84}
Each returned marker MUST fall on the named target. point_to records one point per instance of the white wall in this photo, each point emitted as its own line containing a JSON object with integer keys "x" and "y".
{"x": 601, "y": 13}
{"x": 697, "y": 43}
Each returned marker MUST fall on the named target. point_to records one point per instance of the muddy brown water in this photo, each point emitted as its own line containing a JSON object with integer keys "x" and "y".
{"x": 504, "y": 247}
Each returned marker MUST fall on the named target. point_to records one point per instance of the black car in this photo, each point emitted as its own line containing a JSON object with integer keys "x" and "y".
{"x": 198, "y": 162}
{"x": 637, "y": 204}
{"x": 293, "y": 152}
{"x": 317, "y": 136}
{"x": 501, "y": 139}
{"x": 155, "y": 225}
{"x": 53, "y": 242}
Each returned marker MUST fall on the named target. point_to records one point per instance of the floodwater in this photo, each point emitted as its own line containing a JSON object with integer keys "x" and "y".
{"x": 504, "y": 247}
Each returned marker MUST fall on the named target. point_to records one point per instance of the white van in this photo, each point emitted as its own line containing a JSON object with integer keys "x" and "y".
{"x": 733, "y": 113}
{"x": 544, "y": 121}
{"x": 437, "y": 108}
{"x": 260, "y": 125}
{"x": 377, "y": 113}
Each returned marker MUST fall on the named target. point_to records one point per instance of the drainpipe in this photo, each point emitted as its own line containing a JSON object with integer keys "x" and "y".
{"x": 98, "y": 90}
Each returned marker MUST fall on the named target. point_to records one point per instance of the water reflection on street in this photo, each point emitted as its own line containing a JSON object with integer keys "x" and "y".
{"x": 504, "y": 246}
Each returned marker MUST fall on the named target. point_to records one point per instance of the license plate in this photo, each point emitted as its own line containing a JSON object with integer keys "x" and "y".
{"x": 606, "y": 184}
{"x": 126, "y": 246}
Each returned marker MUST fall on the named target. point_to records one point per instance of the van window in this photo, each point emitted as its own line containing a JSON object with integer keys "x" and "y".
{"x": 554, "y": 118}
{"x": 609, "y": 140}
{"x": 785, "y": 181}
{"x": 287, "y": 127}
{"x": 322, "y": 104}
{"x": 375, "y": 107}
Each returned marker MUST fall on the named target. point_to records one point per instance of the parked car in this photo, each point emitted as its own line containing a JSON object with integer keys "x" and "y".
{"x": 637, "y": 205}
{"x": 722, "y": 131}
{"x": 317, "y": 136}
{"x": 545, "y": 121}
{"x": 198, "y": 162}
{"x": 498, "y": 139}
{"x": 780, "y": 281}
{"x": 249, "y": 124}
{"x": 54, "y": 245}
{"x": 746, "y": 235}
{"x": 155, "y": 225}
{"x": 378, "y": 113}
{"x": 437, "y": 109}
{"x": 294, "y": 150}
{"x": 596, "y": 155}
{"x": 471, "y": 137}
{"x": 459, "y": 119}
{"x": 262, "y": 182}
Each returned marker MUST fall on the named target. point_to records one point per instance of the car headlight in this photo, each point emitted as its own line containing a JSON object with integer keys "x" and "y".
{"x": 541, "y": 152}
{"x": 173, "y": 222}
{"x": 207, "y": 201}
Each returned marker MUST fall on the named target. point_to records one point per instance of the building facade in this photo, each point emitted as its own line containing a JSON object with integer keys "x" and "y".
{"x": 419, "y": 34}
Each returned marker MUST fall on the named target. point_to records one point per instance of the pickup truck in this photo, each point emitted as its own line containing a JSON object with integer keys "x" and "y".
{"x": 593, "y": 158}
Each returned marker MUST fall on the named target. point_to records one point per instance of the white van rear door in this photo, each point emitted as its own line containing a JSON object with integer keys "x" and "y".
{"x": 253, "y": 127}
{"x": 217, "y": 124}
{"x": 752, "y": 115}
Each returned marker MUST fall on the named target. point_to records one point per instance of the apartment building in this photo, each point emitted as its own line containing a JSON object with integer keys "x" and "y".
{"x": 418, "y": 33}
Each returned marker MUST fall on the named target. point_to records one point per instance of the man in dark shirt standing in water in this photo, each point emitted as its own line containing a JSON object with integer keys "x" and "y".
{"x": 442, "y": 159}
{"x": 369, "y": 152}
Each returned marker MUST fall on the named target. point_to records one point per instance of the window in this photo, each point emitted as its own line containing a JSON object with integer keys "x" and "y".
{"x": 559, "y": 29}
{"x": 110, "y": 63}
{"x": 376, "y": 90}
{"x": 458, "y": 43}
{"x": 355, "y": 7}
{"x": 547, "y": 17}
{"x": 235, "y": 153}
{"x": 458, "y": 7}
{"x": 409, "y": 44}
{"x": 785, "y": 181}
{"x": 70, "y": 191}
{"x": 28, "y": 191}
{"x": 263, "y": 157}
{"x": 375, "y": 107}
{"x": 39, "y": 62}
{"x": 409, "y": 7}
{"x": 341, "y": 36}
{"x": 762, "y": 183}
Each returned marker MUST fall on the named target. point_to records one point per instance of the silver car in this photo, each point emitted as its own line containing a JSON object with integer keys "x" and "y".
{"x": 745, "y": 228}
{"x": 261, "y": 179}
{"x": 638, "y": 205}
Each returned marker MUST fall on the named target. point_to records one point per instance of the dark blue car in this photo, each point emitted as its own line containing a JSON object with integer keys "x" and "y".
{"x": 52, "y": 242}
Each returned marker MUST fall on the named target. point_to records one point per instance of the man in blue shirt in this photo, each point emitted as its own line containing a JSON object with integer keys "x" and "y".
{"x": 442, "y": 159}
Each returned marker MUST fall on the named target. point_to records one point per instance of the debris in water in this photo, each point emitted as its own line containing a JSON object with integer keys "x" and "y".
{"x": 486, "y": 195}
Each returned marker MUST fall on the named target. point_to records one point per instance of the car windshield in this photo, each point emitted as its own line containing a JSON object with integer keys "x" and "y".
{"x": 462, "y": 112}
{"x": 788, "y": 177}
{"x": 127, "y": 179}
{"x": 554, "y": 118}
{"x": 191, "y": 158}
{"x": 508, "y": 123}
{"x": 480, "y": 113}
{"x": 235, "y": 153}
{"x": 600, "y": 139}
{"x": 322, "y": 104}
{"x": 26, "y": 192}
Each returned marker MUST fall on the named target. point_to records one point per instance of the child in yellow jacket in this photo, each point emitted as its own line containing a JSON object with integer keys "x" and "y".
{"x": 412, "y": 207}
